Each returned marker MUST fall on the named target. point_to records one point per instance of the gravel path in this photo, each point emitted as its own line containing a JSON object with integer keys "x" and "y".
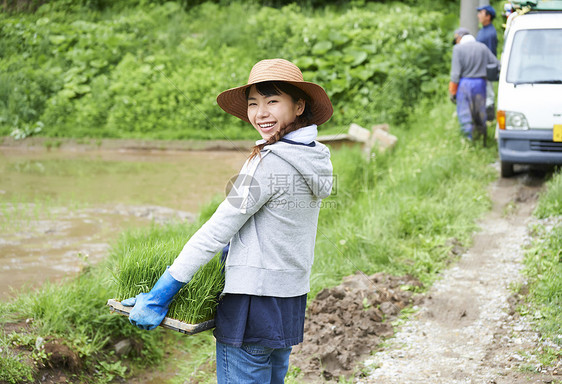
{"x": 467, "y": 331}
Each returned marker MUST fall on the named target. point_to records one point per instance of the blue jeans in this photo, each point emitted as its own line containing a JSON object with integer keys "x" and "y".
{"x": 251, "y": 364}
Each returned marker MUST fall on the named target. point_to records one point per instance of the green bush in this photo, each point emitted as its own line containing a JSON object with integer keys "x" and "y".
{"x": 155, "y": 71}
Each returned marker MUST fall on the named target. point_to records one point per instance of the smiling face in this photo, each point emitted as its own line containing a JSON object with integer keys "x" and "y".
{"x": 268, "y": 114}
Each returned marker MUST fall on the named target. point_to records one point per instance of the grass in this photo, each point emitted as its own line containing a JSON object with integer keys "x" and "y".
{"x": 200, "y": 366}
{"x": 550, "y": 203}
{"x": 543, "y": 267}
{"x": 12, "y": 369}
{"x": 75, "y": 312}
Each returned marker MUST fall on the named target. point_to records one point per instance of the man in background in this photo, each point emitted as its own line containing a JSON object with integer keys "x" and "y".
{"x": 467, "y": 87}
{"x": 489, "y": 37}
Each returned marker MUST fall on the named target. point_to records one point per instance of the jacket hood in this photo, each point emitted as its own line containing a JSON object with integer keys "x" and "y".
{"x": 299, "y": 148}
{"x": 310, "y": 158}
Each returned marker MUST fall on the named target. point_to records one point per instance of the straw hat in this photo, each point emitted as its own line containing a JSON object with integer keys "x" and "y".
{"x": 234, "y": 100}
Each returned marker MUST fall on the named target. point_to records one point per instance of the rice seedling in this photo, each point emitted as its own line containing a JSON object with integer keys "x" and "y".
{"x": 197, "y": 301}
{"x": 139, "y": 263}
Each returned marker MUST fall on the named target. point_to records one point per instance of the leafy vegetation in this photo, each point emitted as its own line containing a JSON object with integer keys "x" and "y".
{"x": 154, "y": 71}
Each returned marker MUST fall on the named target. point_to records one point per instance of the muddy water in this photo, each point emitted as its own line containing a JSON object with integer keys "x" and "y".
{"x": 60, "y": 210}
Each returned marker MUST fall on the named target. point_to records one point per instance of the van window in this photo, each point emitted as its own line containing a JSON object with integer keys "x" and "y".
{"x": 536, "y": 57}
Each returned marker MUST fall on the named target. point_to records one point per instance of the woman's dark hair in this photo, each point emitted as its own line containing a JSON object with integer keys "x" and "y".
{"x": 272, "y": 88}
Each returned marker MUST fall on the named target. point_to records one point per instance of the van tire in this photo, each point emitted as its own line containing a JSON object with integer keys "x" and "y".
{"x": 506, "y": 169}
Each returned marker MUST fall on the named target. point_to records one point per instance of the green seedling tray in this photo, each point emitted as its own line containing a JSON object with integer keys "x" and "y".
{"x": 169, "y": 323}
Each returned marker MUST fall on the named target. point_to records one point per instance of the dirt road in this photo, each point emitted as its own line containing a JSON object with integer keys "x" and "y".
{"x": 466, "y": 330}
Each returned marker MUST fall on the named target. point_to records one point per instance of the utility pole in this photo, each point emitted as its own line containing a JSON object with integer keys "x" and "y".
{"x": 468, "y": 14}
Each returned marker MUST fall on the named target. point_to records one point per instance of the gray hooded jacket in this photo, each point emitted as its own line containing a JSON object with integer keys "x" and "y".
{"x": 270, "y": 218}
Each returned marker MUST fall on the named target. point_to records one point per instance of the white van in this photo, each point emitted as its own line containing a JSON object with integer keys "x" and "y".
{"x": 529, "y": 114}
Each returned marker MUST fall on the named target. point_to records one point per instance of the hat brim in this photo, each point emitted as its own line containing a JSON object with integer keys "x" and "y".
{"x": 233, "y": 101}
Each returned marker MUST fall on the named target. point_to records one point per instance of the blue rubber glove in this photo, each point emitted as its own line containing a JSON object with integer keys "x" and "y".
{"x": 151, "y": 308}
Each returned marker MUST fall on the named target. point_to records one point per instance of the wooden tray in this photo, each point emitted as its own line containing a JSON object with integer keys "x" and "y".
{"x": 173, "y": 324}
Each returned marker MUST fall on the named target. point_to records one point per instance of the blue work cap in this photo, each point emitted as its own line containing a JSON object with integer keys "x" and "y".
{"x": 489, "y": 9}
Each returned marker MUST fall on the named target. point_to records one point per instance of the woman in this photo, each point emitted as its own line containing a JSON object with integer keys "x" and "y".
{"x": 270, "y": 228}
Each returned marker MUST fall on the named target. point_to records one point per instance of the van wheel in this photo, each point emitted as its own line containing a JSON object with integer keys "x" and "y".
{"x": 506, "y": 169}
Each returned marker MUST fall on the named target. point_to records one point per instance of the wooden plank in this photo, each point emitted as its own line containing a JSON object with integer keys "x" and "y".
{"x": 168, "y": 323}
